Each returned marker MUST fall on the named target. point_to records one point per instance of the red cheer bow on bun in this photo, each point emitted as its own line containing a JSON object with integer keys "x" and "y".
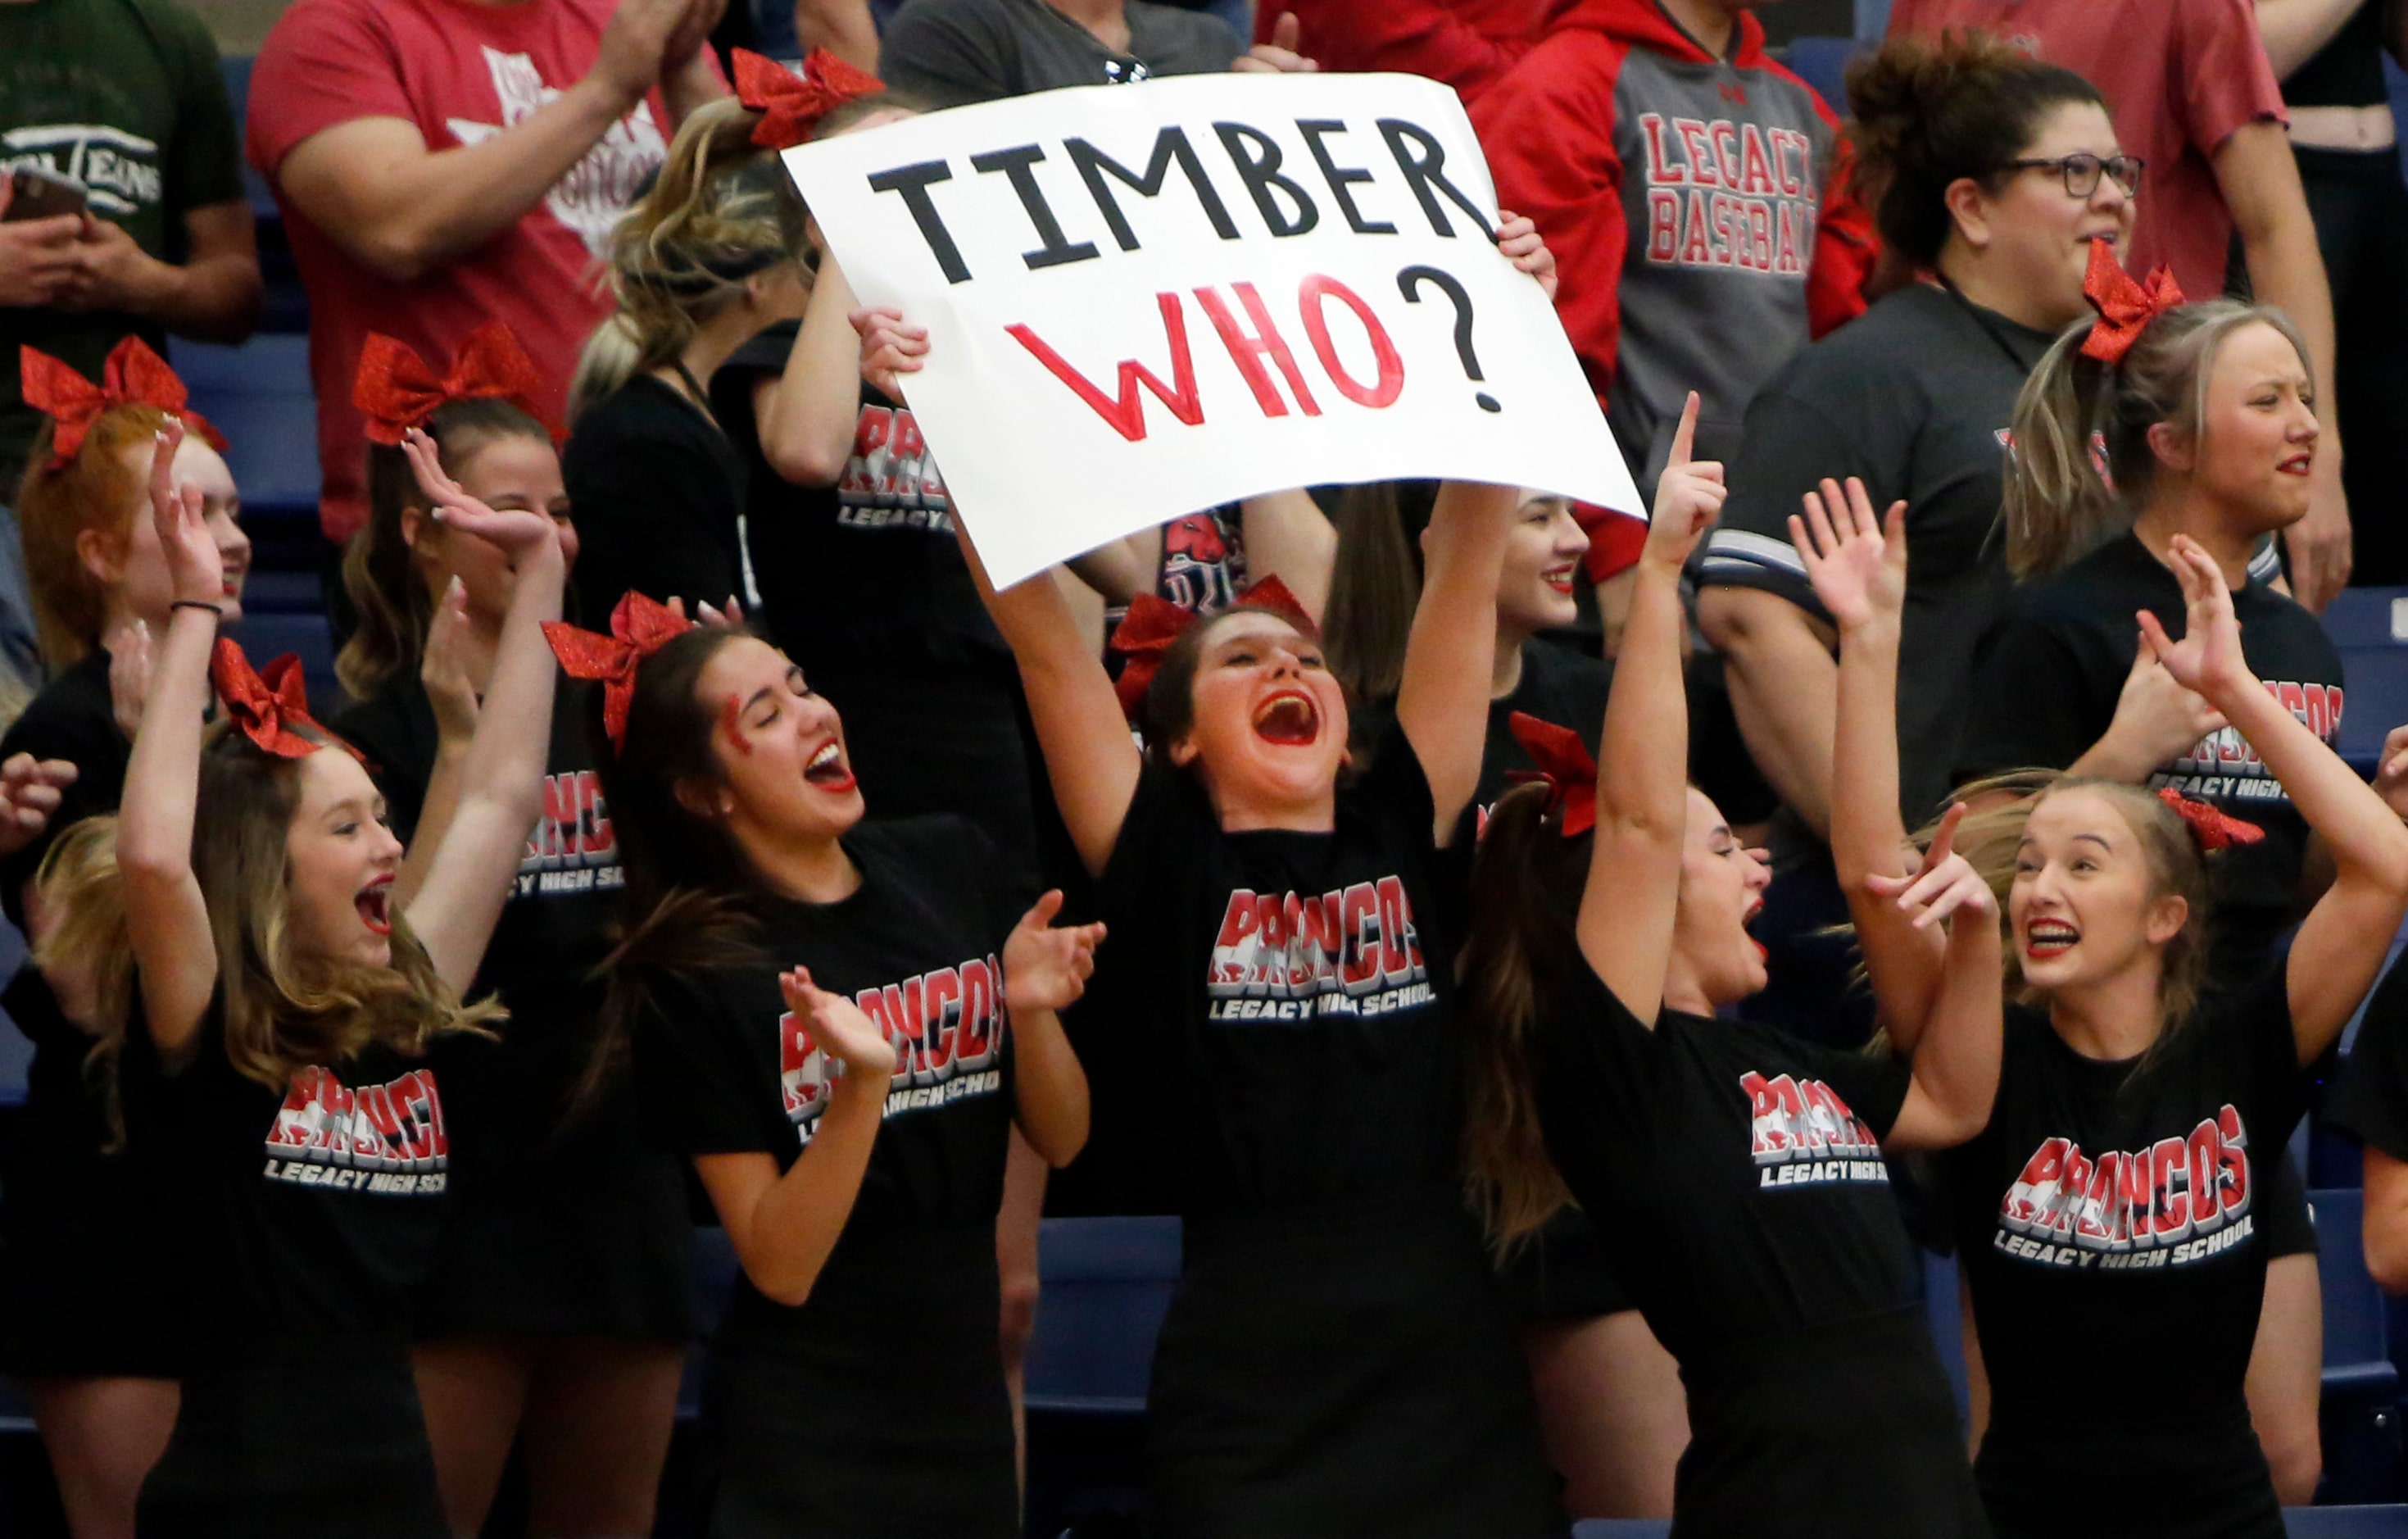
{"x": 640, "y": 626}
{"x": 791, "y": 104}
{"x": 2210, "y": 829}
{"x": 1565, "y": 768}
{"x": 269, "y": 705}
{"x": 2124, "y": 308}
{"x": 133, "y": 376}
{"x": 1152, "y": 625}
{"x": 396, "y": 391}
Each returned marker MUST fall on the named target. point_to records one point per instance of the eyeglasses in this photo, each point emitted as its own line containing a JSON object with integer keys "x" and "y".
{"x": 2082, "y": 171}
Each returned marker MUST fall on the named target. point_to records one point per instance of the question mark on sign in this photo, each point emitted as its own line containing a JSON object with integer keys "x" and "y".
{"x": 1408, "y": 283}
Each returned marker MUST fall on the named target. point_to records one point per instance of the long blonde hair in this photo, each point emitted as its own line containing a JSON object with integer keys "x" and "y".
{"x": 2059, "y": 506}
{"x": 721, "y": 210}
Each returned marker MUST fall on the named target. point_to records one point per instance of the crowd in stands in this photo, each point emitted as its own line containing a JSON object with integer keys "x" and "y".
{"x": 1562, "y": 967}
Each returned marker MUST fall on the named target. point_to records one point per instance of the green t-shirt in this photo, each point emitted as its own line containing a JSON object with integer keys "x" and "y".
{"x": 125, "y": 96}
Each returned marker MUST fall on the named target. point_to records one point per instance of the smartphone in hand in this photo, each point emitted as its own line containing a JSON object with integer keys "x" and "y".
{"x": 35, "y": 193}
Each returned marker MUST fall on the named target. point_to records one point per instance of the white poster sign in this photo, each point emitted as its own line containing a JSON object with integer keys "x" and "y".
{"x": 1144, "y": 300}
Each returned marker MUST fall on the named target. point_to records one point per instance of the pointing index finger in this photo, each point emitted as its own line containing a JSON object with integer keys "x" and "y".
{"x": 1685, "y": 436}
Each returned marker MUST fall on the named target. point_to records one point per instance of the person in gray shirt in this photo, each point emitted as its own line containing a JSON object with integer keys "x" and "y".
{"x": 953, "y": 52}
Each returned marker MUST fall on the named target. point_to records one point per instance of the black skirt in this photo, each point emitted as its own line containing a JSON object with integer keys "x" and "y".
{"x": 1335, "y": 1371}
{"x": 78, "y": 1297}
{"x": 1847, "y": 1428}
{"x": 557, "y": 1222}
{"x": 296, "y": 1440}
{"x": 2169, "y": 1470}
{"x": 876, "y": 1410}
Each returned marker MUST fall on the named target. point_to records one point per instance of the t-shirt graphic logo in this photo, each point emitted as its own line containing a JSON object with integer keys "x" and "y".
{"x": 1802, "y": 1134}
{"x": 891, "y": 481}
{"x": 119, "y": 171}
{"x": 598, "y": 188}
{"x": 947, "y": 1027}
{"x": 573, "y": 847}
{"x": 2177, "y": 1201}
{"x": 2223, "y": 768}
{"x": 386, "y": 1139}
{"x": 1729, "y": 195}
{"x": 1284, "y": 956}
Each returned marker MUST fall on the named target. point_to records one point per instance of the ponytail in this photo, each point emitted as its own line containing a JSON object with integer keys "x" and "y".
{"x": 721, "y": 210}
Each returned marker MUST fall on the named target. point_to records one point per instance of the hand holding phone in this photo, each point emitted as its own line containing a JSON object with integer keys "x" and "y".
{"x": 35, "y": 193}
{"x": 37, "y": 253}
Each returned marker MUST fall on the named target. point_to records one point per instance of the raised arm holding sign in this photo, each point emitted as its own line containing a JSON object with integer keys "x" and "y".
{"x": 1212, "y": 287}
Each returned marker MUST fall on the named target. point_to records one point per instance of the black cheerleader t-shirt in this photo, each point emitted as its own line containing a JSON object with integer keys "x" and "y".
{"x": 2110, "y": 1223}
{"x": 919, "y": 948}
{"x": 308, "y": 1212}
{"x": 1270, "y": 1014}
{"x": 1735, "y": 1170}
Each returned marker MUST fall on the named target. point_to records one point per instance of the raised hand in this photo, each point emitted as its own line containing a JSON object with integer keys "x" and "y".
{"x": 1946, "y": 884}
{"x": 29, "y": 794}
{"x": 1858, "y": 568}
{"x": 889, "y": 348}
{"x": 1519, "y": 239}
{"x": 519, "y": 532}
{"x": 443, "y": 667}
{"x": 837, "y": 1025}
{"x": 1282, "y": 55}
{"x": 195, "y": 566}
{"x": 2207, "y": 660}
{"x": 634, "y": 43}
{"x": 129, "y": 676}
{"x": 2155, "y": 717}
{"x": 1046, "y": 968}
{"x": 1689, "y": 499}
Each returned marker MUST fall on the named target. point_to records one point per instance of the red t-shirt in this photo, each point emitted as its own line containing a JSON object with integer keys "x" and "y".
{"x": 462, "y": 72}
{"x": 2179, "y": 76}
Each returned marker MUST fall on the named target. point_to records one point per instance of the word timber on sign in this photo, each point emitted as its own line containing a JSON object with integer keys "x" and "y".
{"x": 1144, "y": 300}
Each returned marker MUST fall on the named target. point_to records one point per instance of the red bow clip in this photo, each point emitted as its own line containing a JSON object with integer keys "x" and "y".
{"x": 1564, "y": 767}
{"x": 1152, "y": 625}
{"x": 397, "y": 392}
{"x": 791, "y": 104}
{"x": 2124, "y": 308}
{"x": 133, "y": 376}
{"x": 2210, "y": 829}
{"x": 640, "y": 626}
{"x": 268, "y": 706}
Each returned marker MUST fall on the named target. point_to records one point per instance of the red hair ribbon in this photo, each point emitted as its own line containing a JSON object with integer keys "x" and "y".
{"x": 2124, "y": 308}
{"x": 1564, "y": 767}
{"x": 396, "y": 392}
{"x": 269, "y": 705}
{"x": 2210, "y": 829}
{"x": 133, "y": 376}
{"x": 1153, "y": 624}
{"x": 791, "y": 104}
{"x": 640, "y": 626}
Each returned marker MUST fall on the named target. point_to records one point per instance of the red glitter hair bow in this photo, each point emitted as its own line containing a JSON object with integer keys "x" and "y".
{"x": 640, "y": 626}
{"x": 133, "y": 376}
{"x": 1564, "y": 767}
{"x": 396, "y": 391}
{"x": 2210, "y": 829}
{"x": 791, "y": 104}
{"x": 1153, "y": 626}
{"x": 2124, "y": 308}
{"x": 270, "y": 705}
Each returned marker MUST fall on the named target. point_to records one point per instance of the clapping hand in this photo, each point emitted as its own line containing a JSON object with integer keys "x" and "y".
{"x": 518, "y": 531}
{"x": 1858, "y": 568}
{"x": 1046, "y": 968}
{"x": 195, "y": 566}
{"x": 29, "y": 794}
{"x": 837, "y": 1025}
{"x": 443, "y": 667}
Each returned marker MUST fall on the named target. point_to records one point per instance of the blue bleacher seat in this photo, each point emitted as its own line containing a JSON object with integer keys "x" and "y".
{"x": 2358, "y": 1360}
{"x": 2368, "y": 617}
{"x": 1623, "y": 1528}
{"x": 1823, "y": 63}
{"x": 16, "y": 1052}
{"x": 2383, "y": 1522}
{"x": 714, "y": 1275}
{"x": 2376, "y": 700}
{"x": 1106, "y": 1284}
{"x": 259, "y": 396}
{"x": 2396, "y": 82}
{"x": 1943, "y": 1310}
